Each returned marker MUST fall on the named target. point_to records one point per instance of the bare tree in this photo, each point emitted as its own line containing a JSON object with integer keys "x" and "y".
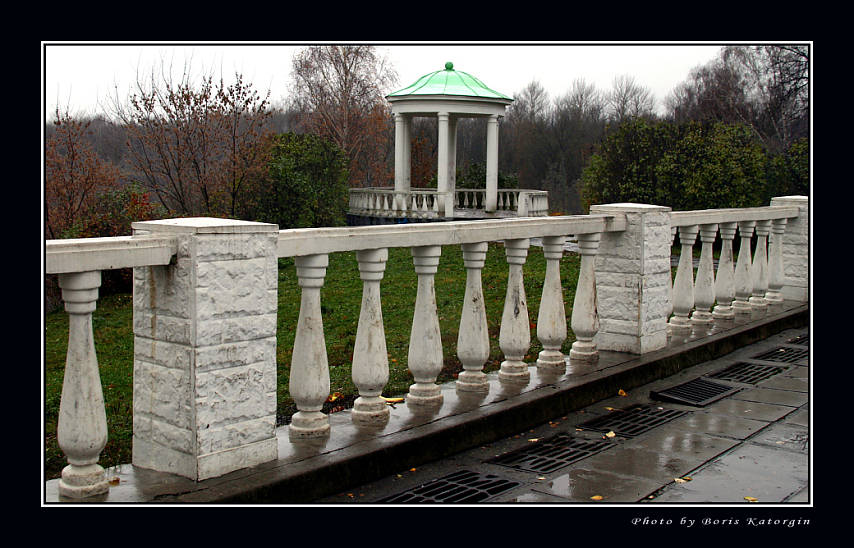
{"x": 341, "y": 92}
{"x": 628, "y": 99}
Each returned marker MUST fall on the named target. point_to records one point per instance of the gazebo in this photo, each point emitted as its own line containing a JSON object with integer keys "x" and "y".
{"x": 448, "y": 95}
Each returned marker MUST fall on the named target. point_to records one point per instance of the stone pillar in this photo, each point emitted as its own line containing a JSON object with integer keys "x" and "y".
{"x": 514, "y": 337}
{"x": 309, "y": 375}
{"x": 370, "y": 354}
{"x": 452, "y": 167}
{"x": 425, "y": 342}
{"x": 704, "y": 287}
{"x": 743, "y": 277}
{"x": 204, "y": 401}
{"x": 407, "y": 153}
{"x": 492, "y": 163}
{"x": 551, "y": 319}
{"x": 81, "y": 429}
{"x": 776, "y": 278}
{"x": 585, "y": 316}
{"x": 633, "y": 279}
{"x": 473, "y": 338}
{"x": 759, "y": 270}
{"x": 725, "y": 277}
{"x": 683, "y": 285}
{"x": 442, "y": 168}
{"x": 796, "y": 248}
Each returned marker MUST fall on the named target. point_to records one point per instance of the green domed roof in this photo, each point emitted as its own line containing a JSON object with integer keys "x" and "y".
{"x": 449, "y": 82}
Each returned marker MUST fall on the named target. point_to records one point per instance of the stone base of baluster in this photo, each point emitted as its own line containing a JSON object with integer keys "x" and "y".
{"x": 583, "y": 352}
{"x": 702, "y": 322}
{"x": 370, "y": 411}
{"x": 472, "y": 381}
{"x": 741, "y": 308}
{"x": 680, "y": 325}
{"x": 514, "y": 371}
{"x": 723, "y": 313}
{"x": 308, "y": 425}
{"x": 424, "y": 395}
{"x": 774, "y": 297}
{"x": 551, "y": 361}
{"x": 758, "y": 303}
{"x": 83, "y": 481}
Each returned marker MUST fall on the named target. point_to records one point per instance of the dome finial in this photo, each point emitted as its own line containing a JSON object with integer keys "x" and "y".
{"x": 449, "y": 66}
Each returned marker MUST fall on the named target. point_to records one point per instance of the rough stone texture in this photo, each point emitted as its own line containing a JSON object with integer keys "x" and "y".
{"x": 796, "y": 248}
{"x": 204, "y": 349}
{"x": 633, "y": 279}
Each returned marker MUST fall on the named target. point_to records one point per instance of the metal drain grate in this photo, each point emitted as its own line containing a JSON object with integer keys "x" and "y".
{"x": 802, "y": 339}
{"x": 750, "y": 373}
{"x": 551, "y": 454}
{"x": 698, "y": 392}
{"x": 460, "y": 487}
{"x": 632, "y": 421}
{"x": 784, "y": 354}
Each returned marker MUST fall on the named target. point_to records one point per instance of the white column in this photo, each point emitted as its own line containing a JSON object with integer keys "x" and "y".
{"x": 425, "y": 342}
{"x": 514, "y": 338}
{"x": 452, "y": 167}
{"x": 551, "y": 319}
{"x": 370, "y": 355}
{"x": 442, "y": 168}
{"x": 82, "y": 427}
{"x": 743, "y": 278}
{"x": 704, "y": 286}
{"x": 725, "y": 278}
{"x": 492, "y": 163}
{"x": 400, "y": 142}
{"x": 473, "y": 338}
{"x": 309, "y": 375}
{"x": 796, "y": 249}
{"x": 407, "y": 153}
{"x": 585, "y": 318}
{"x": 776, "y": 278}
{"x": 759, "y": 269}
{"x": 683, "y": 286}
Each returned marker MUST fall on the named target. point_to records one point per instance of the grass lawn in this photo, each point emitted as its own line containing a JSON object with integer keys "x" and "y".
{"x": 341, "y": 300}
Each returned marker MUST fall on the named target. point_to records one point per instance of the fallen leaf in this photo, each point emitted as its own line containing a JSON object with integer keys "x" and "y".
{"x": 596, "y": 497}
{"x": 751, "y": 499}
{"x": 680, "y": 480}
{"x": 392, "y": 400}
{"x": 541, "y": 477}
{"x": 412, "y": 469}
{"x": 115, "y": 481}
{"x": 610, "y": 409}
{"x": 622, "y": 392}
{"x": 610, "y": 434}
{"x": 533, "y": 439}
{"x": 334, "y": 396}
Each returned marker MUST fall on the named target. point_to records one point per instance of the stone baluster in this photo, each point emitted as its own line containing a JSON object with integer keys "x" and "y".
{"x": 425, "y": 343}
{"x": 759, "y": 268}
{"x": 309, "y": 376}
{"x": 776, "y": 276}
{"x": 370, "y": 355}
{"x": 743, "y": 278}
{"x": 514, "y": 338}
{"x": 683, "y": 285}
{"x": 473, "y": 339}
{"x": 82, "y": 427}
{"x": 704, "y": 286}
{"x": 725, "y": 277}
{"x": 551, "y": 319}
{"x": 585, "y": 315}
{"x": 669, "y": 313}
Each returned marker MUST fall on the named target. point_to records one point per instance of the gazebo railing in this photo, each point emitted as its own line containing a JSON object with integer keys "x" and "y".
{"x": 430, "y": 204}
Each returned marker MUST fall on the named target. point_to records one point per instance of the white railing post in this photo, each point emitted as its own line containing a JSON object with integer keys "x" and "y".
{"x": 725, "y": 277}
{"x": 759, "y": 270}
{"x": 370, "y": 354}
{"x": 551, "y": 318}
{"x": 425, "y": 343}
{"x": 776, "y": 278}
{"x": 704, "y": 286}
{"x": 82, "y": 427}
{"x": 683, "y": 285}
{"x": 796, "y": 249}
{"x": 309, "y": 374}
{"x": 743, "y": 278}
{"x": 473, "y": 338}
{"x": 514, "y": 338}
{"x": 585, "y": 316}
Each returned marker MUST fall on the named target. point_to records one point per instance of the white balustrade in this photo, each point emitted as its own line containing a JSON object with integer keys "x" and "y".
{"x": 585, "y": 316}
{"x": 514, "y": 337}
{"x": 725, "y": 277}
{"x": 704, "y": 285}
{"x": 551, "y": 319}
{"x": 743, "y": 276}
{"x": 370, "y": 356}
{"x": 776, "y": 276}
{"x": 473, "y": 337}
{"x": 425, "y": 343}
{"x": 683, "y": 285}
{"x": 759, "y": 270}
{"x": 309, "y": 375}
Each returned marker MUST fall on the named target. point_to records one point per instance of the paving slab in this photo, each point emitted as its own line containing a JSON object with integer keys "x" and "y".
{"x": 786, "y": 436}
{"x": 800, "y": 417}
{"x": 725, "y": 426}
{"x": 787, "y": 383}
{"x": 748, "y": 409}
{"x": 582, "y": 484}
{"x": 770, "y": 395}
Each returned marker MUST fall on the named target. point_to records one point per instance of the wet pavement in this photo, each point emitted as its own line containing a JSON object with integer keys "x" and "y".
{"x": 750, "y": 446}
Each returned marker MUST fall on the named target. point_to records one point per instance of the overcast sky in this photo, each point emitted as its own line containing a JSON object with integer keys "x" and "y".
{"x": 81, "y": 76}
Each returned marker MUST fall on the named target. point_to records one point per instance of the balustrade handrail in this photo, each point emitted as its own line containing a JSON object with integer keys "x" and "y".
{"x": 712, "y": 216}
{"x": 91, "y": 254}
{"x": 310, "y": 241}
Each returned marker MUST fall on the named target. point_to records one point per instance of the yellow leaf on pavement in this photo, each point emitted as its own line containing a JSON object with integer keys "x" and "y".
{"x": 622, "y": 392}
{"x": 596, "y": 497}
{"x": 610, "y": 434}
{"x": 751, "y": 499}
